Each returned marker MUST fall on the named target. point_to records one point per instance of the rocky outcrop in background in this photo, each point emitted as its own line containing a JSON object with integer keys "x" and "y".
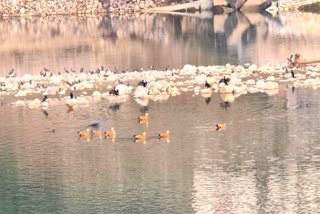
{"x": 95, "y": 7}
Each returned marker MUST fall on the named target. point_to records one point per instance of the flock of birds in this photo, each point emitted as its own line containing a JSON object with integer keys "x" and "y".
{"x": 95, "y": 129}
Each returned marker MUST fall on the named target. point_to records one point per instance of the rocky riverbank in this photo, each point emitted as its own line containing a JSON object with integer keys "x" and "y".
{"x": 96, "y": 7}
{"x": 230, "y": 81}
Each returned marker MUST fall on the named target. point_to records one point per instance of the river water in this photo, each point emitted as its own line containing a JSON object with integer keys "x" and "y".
{"x": 267, "y": 160}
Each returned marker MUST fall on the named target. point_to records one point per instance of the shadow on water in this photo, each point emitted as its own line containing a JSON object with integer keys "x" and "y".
{"x": 160, "y": 40}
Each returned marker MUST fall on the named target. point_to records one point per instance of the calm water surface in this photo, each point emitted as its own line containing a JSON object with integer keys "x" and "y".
{"x": 28, "y": 45}
{"x": 267, "y": 160}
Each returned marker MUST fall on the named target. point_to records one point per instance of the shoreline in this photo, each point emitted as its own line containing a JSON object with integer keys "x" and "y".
{"x": 123, "y": 8}
{"x": 28, "y": 90}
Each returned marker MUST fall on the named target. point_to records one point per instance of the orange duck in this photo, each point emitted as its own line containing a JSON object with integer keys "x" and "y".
{"x": 221, "y": 126}
{"x": 84, "y": 134}
{"x": 140, "y": 138}
{"x": 164, "y": 136}
{"x": 143, "y": 118}
{"x": 110, "y": 134}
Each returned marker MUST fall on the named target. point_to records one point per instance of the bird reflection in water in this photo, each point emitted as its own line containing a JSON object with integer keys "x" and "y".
{"x": 208, "y": 100}
{"x": 115, "y": 107}
{"x": 225, "y": 105}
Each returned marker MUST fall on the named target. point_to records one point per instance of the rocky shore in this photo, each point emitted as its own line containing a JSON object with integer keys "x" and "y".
{"x": 230, "y": 81}
{"x": 96, "y": 7}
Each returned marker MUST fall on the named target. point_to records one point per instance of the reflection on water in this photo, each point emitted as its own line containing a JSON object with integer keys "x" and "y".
{"x": 30, "y": 44}
{"x": 267, "y": 159}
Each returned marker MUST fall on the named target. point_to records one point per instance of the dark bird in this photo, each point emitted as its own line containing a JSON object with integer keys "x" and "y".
{"x": 225, "y": 80}
{"x": 96, "y": 125}
{"x": 292, "y": 74}
{"x": 207, "y": 85}
{"x": 208, "y": 100}
{"x": 114, "y": 91}
{"x": 44, "y": 99}
{"x": 143, "y": 83}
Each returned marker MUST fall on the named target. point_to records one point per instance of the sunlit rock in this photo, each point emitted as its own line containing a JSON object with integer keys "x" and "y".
{"x": 252, "y": 68}
{"x": 235, "y": 81}
{"x": 310, "y": 82}
{"x": 96, "y": 94}
{"x": 226, "y": 89}
{"x": 21, "y": 93}
{"x": 239, "y": 69}
{"x": 34, "y": 103}
{"x": 140, "y": 92}
{"x": 260, "y": 84}
{"x": 241, "y": 89}
{"x": 51, "y": 90}
{"x": 253, "y": 90}
{"x": 250, "y": 82}
{"x": 54, "y": 79}
{"x": 25, "y": 78}
{"x": 271, "y": 78}
{"x": 271, "y": 85}
{"x": 123, "y": 89}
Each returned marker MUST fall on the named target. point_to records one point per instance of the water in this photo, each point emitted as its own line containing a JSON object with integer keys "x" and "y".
{"x": 28, "y": 45}
{"x": 266, "y": 161}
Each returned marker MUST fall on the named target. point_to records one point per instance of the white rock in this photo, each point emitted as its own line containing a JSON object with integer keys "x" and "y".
{"x": 271, "y": 85}
{"x": 252, "y": 68}
{"x": 260, "y": 84}
{"x": 226, "y": 89}
{"x": 250, "y": 82}
{"x": 271, "y": 78}
{"x": 96, "y": 94}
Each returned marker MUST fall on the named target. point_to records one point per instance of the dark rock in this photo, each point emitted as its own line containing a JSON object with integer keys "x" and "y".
{"x": 314, "y": 8}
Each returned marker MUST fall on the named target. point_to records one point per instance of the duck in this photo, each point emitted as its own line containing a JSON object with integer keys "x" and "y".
{"x": 97, "y": 133}
{"x": 72, "y": 102}
{"x": 110, "y": 134}
{"x": 97, "y": 128}
{"x": 141, "y": 137}
{"x": 84, "y": 133}
{"x": 221, "y": 126}
{"x": 164, "y": 136}
{"x": 143, "y": 118}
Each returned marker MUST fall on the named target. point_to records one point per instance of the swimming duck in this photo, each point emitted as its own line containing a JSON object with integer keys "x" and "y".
{"x": 221, "y": 126}
{"x": 110, "y": 134}
{"x": 97, "y": 128}
{"x": 164, "y": 136}
{"x": 84, "y": 134}
{"x": 143, "y": 118}
{"x": 141, "y": 137}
